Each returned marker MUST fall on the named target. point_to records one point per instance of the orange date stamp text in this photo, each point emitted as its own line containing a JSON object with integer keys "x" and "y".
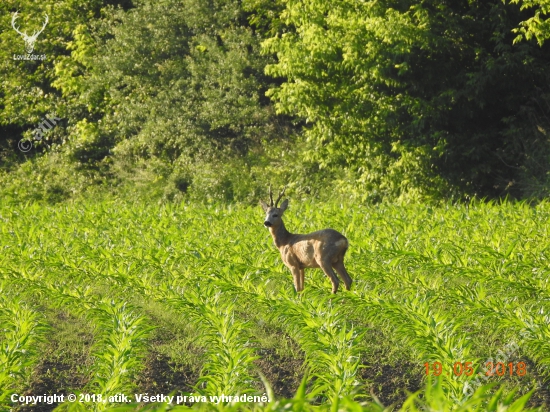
{"x": 467, "y": 368}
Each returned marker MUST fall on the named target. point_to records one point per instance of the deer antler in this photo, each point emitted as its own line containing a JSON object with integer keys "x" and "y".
{"x": 281, "y": 194}
{"x": 35, "y": 34}
{"x": 29, "y": 40}
{"x": 270, "y": 196}
{"x": 15, "y": 17}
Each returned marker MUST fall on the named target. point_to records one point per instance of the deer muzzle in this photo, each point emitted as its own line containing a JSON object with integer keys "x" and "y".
{"x": 267, "y": 223}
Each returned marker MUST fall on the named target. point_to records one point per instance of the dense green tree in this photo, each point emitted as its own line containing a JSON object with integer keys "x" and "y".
{"x": 418, "y": 97}
{"x": 161, "y": 90}
{"x": 537, "y": 26}
{"x": 399, "y": 98}
{"x": 182, "y": 85}
{"x": 28, "y": 91}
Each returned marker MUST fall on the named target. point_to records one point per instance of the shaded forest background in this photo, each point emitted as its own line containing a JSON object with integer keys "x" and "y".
{"x": 210, "y": 100}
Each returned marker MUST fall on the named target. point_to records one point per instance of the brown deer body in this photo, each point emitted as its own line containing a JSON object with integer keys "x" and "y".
{"x": 323, "y": 249}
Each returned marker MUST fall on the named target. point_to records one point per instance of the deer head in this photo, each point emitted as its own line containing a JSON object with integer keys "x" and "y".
{"x": 29, "y": 40}
{"x": 273, "y": 212}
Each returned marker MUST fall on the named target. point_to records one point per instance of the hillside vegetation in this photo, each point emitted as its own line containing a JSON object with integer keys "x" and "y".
{"x": 208, "y": 100}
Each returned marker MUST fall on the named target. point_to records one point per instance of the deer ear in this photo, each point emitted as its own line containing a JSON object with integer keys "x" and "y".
{"x": 263, "y": 205}
{"x": 284, "y": 205}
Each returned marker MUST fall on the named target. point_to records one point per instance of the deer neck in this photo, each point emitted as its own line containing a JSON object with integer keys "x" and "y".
{"x": 280, "y": 235}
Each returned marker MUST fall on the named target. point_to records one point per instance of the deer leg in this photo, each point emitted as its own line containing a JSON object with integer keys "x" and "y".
{"x": 341, "y": 270}
{"x": 302, "y": 276}
{"x": 296, "y": 277}
{"x": 327, "y": 268}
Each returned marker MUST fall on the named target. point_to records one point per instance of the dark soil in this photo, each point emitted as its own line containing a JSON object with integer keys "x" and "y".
{"x": 63, "y": 361}
{"x": 283, "y": 373}
{"x": 541, "y": 396}
{"x": 162, "y": 375}
{"x": 390, "y": 383}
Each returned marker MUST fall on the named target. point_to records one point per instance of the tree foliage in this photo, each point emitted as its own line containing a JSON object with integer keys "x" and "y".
{"x": 163, "y": 87}
{"x": 400, "y": 99}
{"x": 417, "y": 95}
{"x": 537, "y": 26}
{"x": 28, "y": 93}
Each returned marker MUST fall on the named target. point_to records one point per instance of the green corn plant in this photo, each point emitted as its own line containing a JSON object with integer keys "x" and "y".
{"x": 432, "y": 335}
{"x": 229, "y": 347}
{"x": 410, "y": 264}
{"x": 433, "y": 398}
{"x": 430, "y": 398}
{"x": 120, "y": 344}
{"x": 331, "y": 344}
{"x": 121, "y": 349}
{"x": 531, "y": 324}
{"x": 21, "y": 329}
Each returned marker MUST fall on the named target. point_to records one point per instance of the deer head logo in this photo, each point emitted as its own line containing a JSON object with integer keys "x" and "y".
{"x": 29, "y": 40}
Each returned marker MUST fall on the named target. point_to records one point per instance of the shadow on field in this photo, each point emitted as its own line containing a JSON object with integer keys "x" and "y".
{"x": 282, "y": 372}
{"x": 541, "y": 396}
{"x": 389, "y": 383}
{"x": 64, "y": 360}
{"x": 163, "y": 376}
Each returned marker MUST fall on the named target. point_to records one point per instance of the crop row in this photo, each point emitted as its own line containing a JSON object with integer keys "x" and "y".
{"x": 430, "y": 278}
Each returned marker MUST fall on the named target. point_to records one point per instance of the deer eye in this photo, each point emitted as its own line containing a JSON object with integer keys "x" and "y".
{"x": 275, "y": 215}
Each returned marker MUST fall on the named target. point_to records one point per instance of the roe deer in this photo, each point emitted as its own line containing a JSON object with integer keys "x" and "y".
{"x": 323, "y": 249}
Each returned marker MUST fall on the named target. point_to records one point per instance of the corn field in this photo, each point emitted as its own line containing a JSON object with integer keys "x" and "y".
{"x": 449, "y": 309}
